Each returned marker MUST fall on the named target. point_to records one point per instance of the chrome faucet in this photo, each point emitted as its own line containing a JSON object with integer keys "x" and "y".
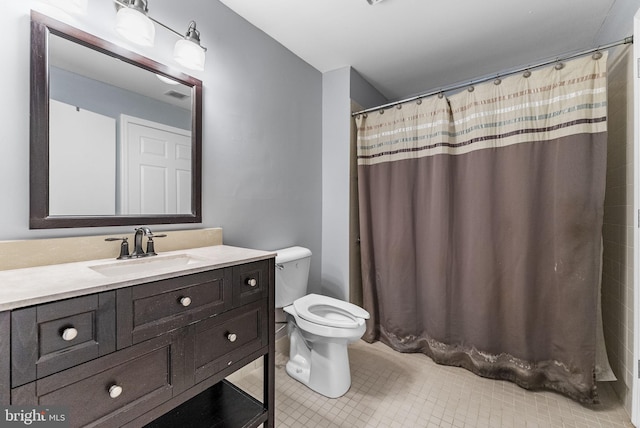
{"x": 137, "y": 242}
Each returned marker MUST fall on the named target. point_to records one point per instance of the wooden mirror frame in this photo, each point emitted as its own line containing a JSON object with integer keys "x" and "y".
{"x": 39, "y": 218}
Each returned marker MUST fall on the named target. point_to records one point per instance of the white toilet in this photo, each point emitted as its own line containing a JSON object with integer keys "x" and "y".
{"x": 319, "y": 327}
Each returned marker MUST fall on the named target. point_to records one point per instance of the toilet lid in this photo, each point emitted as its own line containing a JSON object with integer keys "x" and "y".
{"x": 329, "y": 311}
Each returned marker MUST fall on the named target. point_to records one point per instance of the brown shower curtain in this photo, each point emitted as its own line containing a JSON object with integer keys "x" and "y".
{"x": 481, "y": 218}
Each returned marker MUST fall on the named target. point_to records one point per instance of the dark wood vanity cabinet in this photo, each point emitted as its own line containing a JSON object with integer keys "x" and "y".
{"x": 152, "y": 354}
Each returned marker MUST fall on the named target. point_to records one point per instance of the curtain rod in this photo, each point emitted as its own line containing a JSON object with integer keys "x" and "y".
{"x": 625, "y": 41}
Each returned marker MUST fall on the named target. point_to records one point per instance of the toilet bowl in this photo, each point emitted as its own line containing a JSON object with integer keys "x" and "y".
{"x": 319, "y": 327}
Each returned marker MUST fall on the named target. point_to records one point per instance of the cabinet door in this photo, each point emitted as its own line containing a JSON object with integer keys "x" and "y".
{"x": 54, "y": 336}
{"x": 113, "y": 389}
{"x": 250, "y": 282}
{"x": 222, "y": 340}
{"x": 5, "y": 358}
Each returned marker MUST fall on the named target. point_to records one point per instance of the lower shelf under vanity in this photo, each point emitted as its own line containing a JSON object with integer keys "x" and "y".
{"x": 222, "y": 405}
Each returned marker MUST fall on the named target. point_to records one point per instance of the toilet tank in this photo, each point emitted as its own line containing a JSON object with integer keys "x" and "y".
{"x": 292, "y": 274}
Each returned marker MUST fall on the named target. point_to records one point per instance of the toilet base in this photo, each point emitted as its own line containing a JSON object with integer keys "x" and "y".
{"x": 299, "y": 370}
{"x": 321, "y": 364}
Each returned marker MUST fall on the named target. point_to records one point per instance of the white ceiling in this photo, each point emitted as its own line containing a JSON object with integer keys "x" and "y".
{"x": 407, "y": 47}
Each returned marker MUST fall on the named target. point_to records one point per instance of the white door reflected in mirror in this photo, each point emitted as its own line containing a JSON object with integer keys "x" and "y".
{"x": 156, "y": 168}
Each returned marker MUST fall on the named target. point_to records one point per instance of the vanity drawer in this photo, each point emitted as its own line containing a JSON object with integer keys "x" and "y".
{"x": 222, "y": 340}
{"x": 111, "y": 390}
{"x": 51, "y": 337}
{"x": 250, "y": 282}
{"x": 148, "y": 310}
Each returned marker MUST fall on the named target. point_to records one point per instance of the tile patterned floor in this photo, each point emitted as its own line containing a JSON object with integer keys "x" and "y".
{"x": 395, "y": 390}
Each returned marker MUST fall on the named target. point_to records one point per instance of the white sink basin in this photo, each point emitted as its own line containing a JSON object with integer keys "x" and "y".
{"x": 146, "y": 265}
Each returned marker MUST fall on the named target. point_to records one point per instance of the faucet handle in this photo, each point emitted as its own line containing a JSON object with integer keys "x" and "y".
{"x": 124, "y": 247}
{"x": 150, "y": 245}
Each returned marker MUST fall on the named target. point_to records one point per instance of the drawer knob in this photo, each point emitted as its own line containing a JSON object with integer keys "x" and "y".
{"x": 115, "y": 391}
{"x": 231, "y": 337}
{"x": 252, "y": 282}
{"x": 68, "y": 334}
{"x": 185, "y": 301}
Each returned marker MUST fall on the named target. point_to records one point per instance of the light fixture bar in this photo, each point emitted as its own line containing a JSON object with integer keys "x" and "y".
{"x": 122, "y": 4}
{"x": 166, "y": 26}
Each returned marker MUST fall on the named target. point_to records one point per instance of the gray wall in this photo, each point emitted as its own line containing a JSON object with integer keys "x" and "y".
{"x": 338, "y": 89}
{"x": 335, "y": 183}
{"x": 264, "y": 145}
{"x": 261, "y": 134}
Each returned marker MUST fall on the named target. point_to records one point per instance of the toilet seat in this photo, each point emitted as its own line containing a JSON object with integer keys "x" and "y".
{"x": 330, "y": 312}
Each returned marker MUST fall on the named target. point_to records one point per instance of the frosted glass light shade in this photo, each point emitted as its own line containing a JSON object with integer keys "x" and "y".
{"x": 189, "y": 54}
{"x": 135, "y": 26}
{"x": 77, "y": 7}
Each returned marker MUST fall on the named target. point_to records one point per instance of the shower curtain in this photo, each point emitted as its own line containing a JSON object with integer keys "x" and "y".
{"x": 481, "y": 219}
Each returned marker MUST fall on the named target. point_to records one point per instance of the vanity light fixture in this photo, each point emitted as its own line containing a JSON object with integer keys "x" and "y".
{"x": 134, "y": 23}
{"x": 188, "y": 51}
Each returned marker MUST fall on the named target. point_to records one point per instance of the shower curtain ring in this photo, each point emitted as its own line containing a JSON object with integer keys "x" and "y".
{"x": 440, "y": 95}
{"x": 526, "y": 74}
{"x": 597, "y": 55}
{"x": 419, "y": 101}
{"x": 558, "y": 66}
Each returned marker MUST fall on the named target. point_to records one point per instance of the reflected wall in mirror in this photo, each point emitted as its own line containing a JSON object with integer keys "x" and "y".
{"x": 115, "y": 137}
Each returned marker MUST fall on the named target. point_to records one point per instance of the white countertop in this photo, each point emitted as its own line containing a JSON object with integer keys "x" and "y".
{"x": 30, "y": 286}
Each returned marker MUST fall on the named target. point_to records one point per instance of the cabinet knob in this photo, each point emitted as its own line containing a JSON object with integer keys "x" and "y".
{"x": 115, "y": 391}
{"x": 185, "y": 301}
{"x": 69, "y": 333}
{"x": 252, "y": 282}
{"x": 231, "y": 337}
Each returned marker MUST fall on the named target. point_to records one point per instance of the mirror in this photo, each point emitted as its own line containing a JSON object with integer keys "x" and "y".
{"x": 116, "y": 138}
